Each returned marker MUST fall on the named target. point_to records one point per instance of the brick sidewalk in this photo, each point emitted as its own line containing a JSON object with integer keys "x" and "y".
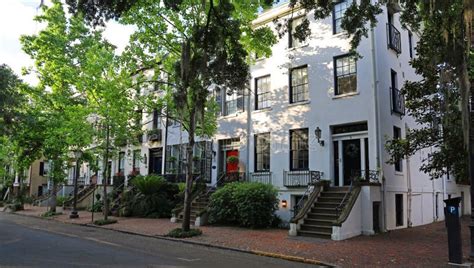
{"x": 424, "y": 246}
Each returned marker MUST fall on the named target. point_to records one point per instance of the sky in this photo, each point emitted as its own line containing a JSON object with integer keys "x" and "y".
{"x": 16, "y": 19}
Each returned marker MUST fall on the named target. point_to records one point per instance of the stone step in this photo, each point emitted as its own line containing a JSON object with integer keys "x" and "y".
{"x": 323, "y": 222}
{"x": 317, "y": 228}
{"x": 333, "y": 194}
{"x": 324, "y": 210}
{"x": 323, "y": 235}
{"x": 338, "y": 189}
{"x": 326, "y": 204}
{"x": 322, "y": 216}
{"x": 325, "y": 199}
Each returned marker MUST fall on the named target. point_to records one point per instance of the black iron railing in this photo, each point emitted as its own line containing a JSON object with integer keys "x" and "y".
{"x": 155, "y": 134}
{"x": 261, "y": 176}
{"x": 393, "y": 38}
{"x": 176, "y": 178}
{"x": 234, "y": 177}
{"x": 367, "y": 176}
{"x": 398, "y": 101}
{"x": 300, "y": 178}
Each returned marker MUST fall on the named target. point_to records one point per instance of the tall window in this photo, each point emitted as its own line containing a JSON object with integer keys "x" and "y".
{"x": 262, "y": 92}
{"x": 262, "y": 152}
{"x": 136, "y": 160}
{"x": 299, "y": 84}
{"x": 345, "y": 72}
{"x": 338, "y": 14}
{"x": 397, "y": 134}
{"x": 299, "y": 155}
{"x": 121, "y": 163}
{"x": 156, "y": 119}
{"x": 234, "y": 102}
{"x": 410, "y": 44}
{"x": 293, "y": 41}
{"x": 44, "y": 168}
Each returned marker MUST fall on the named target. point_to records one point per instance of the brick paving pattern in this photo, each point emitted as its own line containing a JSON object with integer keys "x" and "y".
{"x": 423, "y": 246}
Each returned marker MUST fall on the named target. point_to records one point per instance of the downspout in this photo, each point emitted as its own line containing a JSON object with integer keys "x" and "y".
{"x": 165, "y": 146}
{"x": 247, "y": 170}
{"x": 409, "y": 194}
{"x": 377, "y": 126}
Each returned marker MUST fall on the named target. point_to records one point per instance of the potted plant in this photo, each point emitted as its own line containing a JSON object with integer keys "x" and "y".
{"x": 233, "y": 160}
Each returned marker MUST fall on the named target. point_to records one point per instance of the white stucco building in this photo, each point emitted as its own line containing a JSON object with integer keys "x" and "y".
{"x": 312, "y": 106}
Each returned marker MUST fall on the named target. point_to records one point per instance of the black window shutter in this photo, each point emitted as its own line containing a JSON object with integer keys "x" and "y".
{"x": 41, "y": 171}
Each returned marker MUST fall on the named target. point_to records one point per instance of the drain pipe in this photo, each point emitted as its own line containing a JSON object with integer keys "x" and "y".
{"x": 377, "y": 126}
{"x": 409, "y": 188}
{"x": 247, "y": 170}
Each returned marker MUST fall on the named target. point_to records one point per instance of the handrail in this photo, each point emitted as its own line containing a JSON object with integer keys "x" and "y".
{"x": 344, "y": 199}
{"x": 300, "y": 213}
{"x": 350, "y": 204}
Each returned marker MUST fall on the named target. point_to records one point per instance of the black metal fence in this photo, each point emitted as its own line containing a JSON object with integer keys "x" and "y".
{"x": 398, "y": 101}
{"x": 393, "y": 38}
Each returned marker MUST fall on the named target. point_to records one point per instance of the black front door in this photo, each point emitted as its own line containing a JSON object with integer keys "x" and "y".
{"x": 351, "y": 159}
{"x": 156, "y": 159}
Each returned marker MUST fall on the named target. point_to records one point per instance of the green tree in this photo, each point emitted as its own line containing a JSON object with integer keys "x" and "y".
{"x": 194, "y": 44}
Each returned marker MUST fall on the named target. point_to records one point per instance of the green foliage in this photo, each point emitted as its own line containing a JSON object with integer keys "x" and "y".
{"x": 105, "y": 222}
{"x": 153, "y": 197}
{"x": 14, "y": 205}
{"x": 60, "y": 200}
{"x": 150, "y": 184}
{"x": 246, "y": 204}
{"x": 97, "y": 207}
{"x": 49, "y": 214}
{"x": 179, "y": 233}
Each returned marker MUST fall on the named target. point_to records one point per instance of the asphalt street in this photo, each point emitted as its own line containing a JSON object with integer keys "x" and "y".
{"x": 33, "y": 242}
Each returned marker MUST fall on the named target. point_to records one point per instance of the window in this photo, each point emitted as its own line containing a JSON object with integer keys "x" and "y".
{"x": 262, "y": 92}
{"x": 410, "y": 44}
{"x": 234, "y": 102}
{"x": 121, "y": 163}
{"x": 44, "y": 169}
{"x": 299, "y": 156}
{"x": 136, "y": 160}
{"x": 399, "y": 209}
{"x": 292, "y": 40}
{"x": 338, "y": 14}
{"x": 397, "y": 134}
{"x": 262, "y": 152}
{"x": 156, "y": 119}
{"x": 299, "y": 84}
{"x": 345, "y": 72}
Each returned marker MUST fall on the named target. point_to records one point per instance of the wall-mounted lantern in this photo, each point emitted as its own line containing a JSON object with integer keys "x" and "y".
{"x": 317, "y": 133}
{"x": 284, "y": 203}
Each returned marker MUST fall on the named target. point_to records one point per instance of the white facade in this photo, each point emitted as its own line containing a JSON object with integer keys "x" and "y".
{"x": 368, "y": 111}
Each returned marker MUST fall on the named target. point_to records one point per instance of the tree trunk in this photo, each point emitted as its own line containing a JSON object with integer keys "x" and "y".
{"x": 189, "y": 174}
{"x": 53, "y": 197}
{"x": 105, "y": 173}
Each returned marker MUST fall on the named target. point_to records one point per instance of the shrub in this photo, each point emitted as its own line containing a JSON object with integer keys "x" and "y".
{"x": 105, "y": 222}
{"x": 60, "y": 200}
{"x": 154, "y": 197}
{"x": 246, "y": 204}
{"x": 178, "y": 233}
{"x": 149, "y": 185}
{"x": 15, "y": 205}
{"x": 50, "y": 214}
{"x": 97, "y": 207}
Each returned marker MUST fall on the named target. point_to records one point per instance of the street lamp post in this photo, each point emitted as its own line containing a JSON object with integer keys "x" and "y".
{"x": 74, "y": 214}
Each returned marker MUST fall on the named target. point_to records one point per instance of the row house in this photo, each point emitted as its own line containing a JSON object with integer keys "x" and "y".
{"x": 314, "y": 112}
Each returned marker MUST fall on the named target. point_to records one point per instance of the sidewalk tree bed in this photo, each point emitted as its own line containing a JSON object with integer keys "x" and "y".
{"x": 105, "y": 221}
{"x": 48, "y": 214}
{"x": 247, "y": 204}
{"x": 179, "y": 233}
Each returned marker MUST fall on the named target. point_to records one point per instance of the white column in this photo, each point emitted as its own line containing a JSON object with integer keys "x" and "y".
{"x": 341, "y": 163}
{"x": 17, "y": 180}
{"x": 362, "y": 156}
